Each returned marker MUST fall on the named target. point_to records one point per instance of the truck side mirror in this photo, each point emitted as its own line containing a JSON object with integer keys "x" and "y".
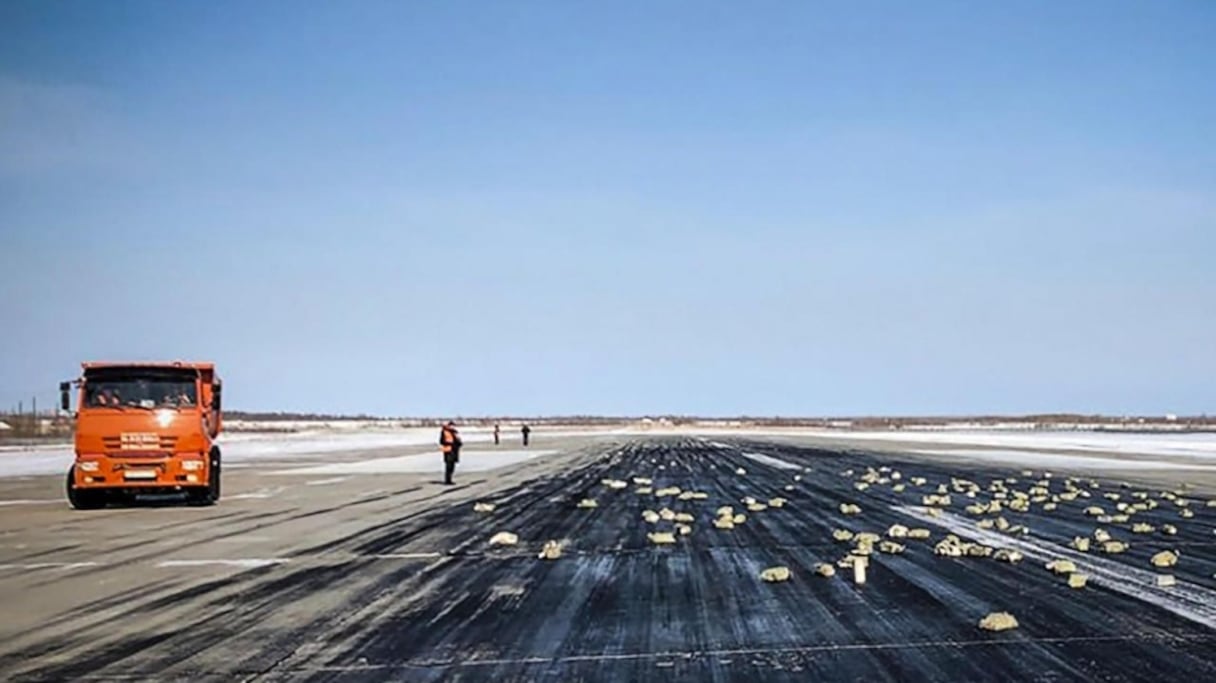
{"x": 65, "y": 402}
{"x": 216, "y": 393}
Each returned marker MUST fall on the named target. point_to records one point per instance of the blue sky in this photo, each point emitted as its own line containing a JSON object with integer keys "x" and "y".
{"x": 558, "y": 207}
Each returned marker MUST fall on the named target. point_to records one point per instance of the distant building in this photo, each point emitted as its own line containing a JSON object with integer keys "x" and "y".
{"x": 4, "y": 427}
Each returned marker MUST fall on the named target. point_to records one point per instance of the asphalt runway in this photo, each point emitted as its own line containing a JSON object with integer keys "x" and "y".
{"x": 377, "y": 577}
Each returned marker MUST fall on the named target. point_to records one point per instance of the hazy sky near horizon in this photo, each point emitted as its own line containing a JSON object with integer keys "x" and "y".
{"x": 716, "y": 208}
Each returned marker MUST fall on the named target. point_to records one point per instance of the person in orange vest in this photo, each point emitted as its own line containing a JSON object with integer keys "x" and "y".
{"x": 449, "y": 442}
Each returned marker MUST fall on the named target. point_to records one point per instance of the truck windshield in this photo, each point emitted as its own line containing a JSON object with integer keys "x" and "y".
{"x": 131, "y": 389}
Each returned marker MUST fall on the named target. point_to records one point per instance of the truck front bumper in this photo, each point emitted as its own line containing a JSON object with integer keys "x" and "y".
{"x": 163, "y": 472}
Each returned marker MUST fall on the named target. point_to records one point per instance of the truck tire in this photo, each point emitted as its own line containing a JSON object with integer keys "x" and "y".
{"x": 214, "y": 483}
{"x": 83, "y": 500}
{"x": 211, "y": 494}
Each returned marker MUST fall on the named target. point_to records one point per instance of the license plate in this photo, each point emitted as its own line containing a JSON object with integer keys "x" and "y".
{"x": 139, "y": 474}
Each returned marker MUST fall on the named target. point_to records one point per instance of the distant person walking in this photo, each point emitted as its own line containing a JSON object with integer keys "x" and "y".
{"x": 525, "y": 430}
{"x": 449, "y": 443}
{"x": 496, "y": 434}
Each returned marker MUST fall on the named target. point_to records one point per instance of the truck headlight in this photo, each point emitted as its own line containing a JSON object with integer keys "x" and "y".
{"x": 192, "y": 465}
{"x": 89, "y": 465}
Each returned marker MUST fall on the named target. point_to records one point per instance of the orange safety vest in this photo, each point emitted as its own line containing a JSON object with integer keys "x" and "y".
{"x": 447, "y": 438}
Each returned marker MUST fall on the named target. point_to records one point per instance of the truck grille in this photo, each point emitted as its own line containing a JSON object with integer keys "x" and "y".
{"x": 139, "y": 442}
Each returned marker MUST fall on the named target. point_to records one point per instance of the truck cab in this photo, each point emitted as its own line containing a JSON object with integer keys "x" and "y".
{"x": 144, "y": 428}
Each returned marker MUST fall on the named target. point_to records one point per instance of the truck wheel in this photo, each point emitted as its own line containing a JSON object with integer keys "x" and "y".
{"x": 83, "y": 500}
{"x": 211, "y": 494}
{"x": 214, "y": 483}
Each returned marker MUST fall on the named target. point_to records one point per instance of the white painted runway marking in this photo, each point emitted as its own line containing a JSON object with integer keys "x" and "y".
{"x": 260, "y": 493}
{"x": 759, "y": 457}
{"x": 243, "y": 562}
{"x": 49, "y": 565}
{"x": 407, "y": 556}
{"x": 323, "y": 482}
{"x": 771, "y": 461}
{"x": 1187, "y": 600}
{"x": 40, "y": 501}
{"x": 242, "y": 539}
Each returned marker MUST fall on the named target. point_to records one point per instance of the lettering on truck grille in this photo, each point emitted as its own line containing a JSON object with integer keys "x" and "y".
{"x": 139, "y": 441}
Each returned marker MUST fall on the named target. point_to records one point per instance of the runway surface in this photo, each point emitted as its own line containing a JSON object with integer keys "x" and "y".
{"x": 328, "y": 576}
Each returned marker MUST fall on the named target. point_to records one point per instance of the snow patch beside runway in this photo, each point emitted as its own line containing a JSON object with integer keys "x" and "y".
{"x": 1065, "y": 461}
{"x": 246, "y": 450}
{"x": 1201, "y": 445}
{"x": 239, "y": 449}
{"x": 42, "y": 461}
{"x": 470, "y": 461}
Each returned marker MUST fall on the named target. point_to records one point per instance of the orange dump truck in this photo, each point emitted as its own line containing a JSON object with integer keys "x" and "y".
{"x": 144, "y": 428}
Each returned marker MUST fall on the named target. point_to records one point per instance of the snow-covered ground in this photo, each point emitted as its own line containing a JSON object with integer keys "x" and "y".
{"x": 470, "y": 461}
{"x": 1179, "y": 445}
{"x": 1184, "y": 445}
{"x": 1073, "y": 449}
{"x": 240, "y": 448}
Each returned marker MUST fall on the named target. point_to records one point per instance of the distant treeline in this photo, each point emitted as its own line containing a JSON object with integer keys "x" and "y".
{"x": 34, "y": 427}
{"x": 858, "y": 422}
{"x": 426, "y": 421}
{"x": 283, "y": 417}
